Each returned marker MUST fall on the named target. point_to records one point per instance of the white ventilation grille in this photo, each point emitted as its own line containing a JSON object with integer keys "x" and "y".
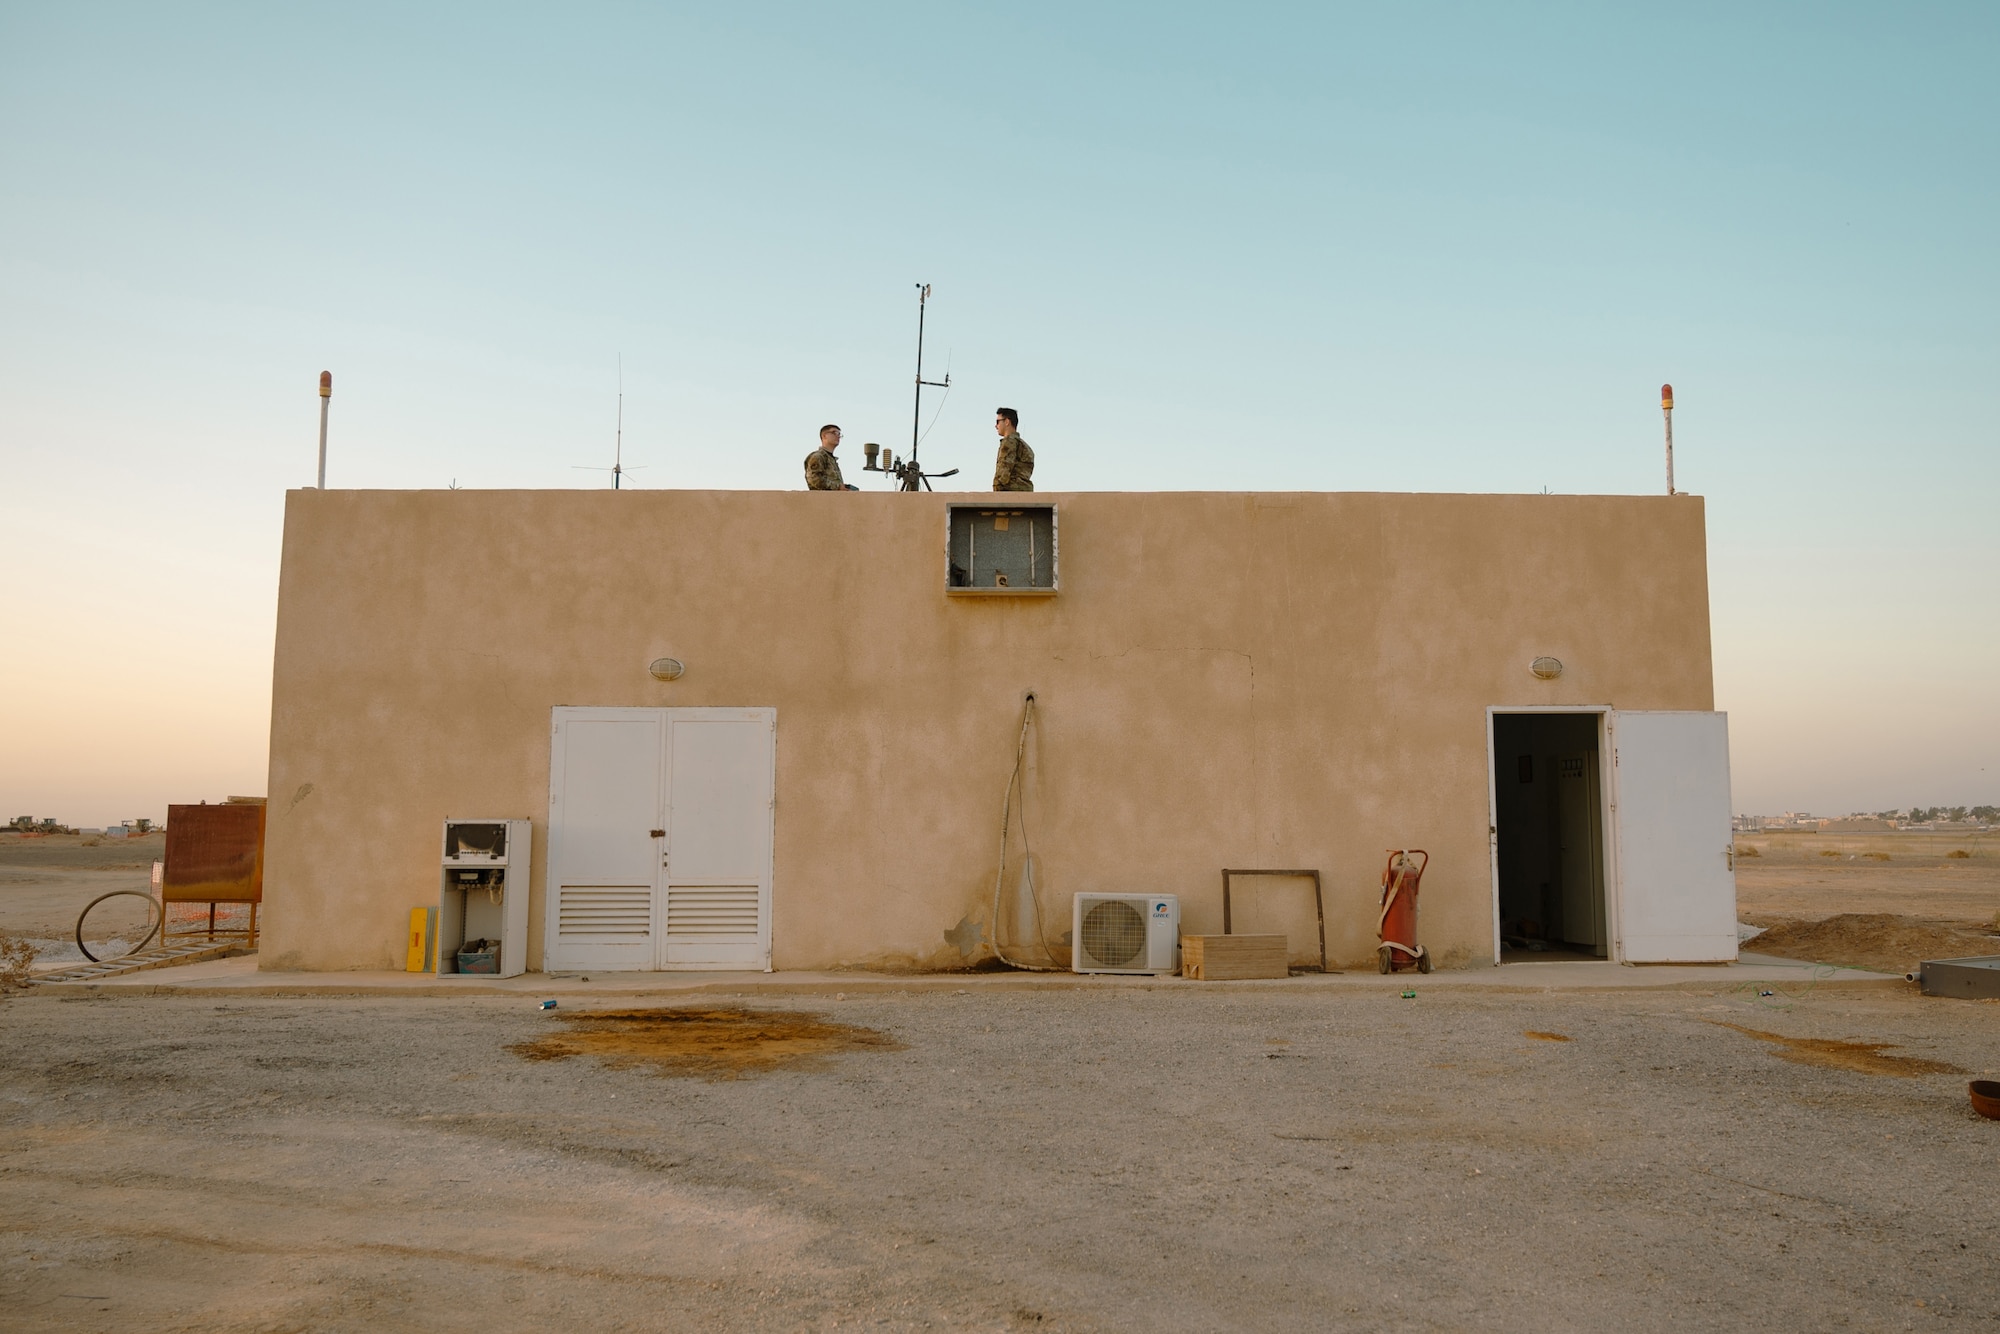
{"x": 605, "y": 910}
{"x": 711, "y": 910}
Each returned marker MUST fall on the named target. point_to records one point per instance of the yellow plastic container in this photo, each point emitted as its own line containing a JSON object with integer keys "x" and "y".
{"x": 423, "y": 941}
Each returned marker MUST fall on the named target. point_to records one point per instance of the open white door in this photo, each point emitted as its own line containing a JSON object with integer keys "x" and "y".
{"x": 1675, "y": 881}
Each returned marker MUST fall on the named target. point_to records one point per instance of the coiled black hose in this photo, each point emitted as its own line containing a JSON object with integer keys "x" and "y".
{"x": 159, "y": 919}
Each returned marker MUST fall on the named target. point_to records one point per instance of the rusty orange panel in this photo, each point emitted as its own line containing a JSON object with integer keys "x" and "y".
{"x": 215, "y": 854}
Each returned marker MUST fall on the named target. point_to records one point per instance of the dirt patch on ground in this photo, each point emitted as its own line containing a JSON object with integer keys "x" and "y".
{"x": 1862, "y": 1057}
{"x": 714, "y": 1044}
{"x": 1884, "y": 942}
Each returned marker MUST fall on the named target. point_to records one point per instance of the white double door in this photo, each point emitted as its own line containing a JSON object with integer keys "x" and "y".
{"x": 660, "y": 826}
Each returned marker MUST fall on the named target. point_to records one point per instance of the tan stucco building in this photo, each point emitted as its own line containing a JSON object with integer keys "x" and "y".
{"x": 1221, "y": 680}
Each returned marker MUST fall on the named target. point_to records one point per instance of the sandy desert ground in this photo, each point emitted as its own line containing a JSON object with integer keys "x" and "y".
{"x": 1202, "y": 1160}
{"x": 1877, "y": 901}
{"x": 46, "y": 881}
{"x": 1792, "y": 875}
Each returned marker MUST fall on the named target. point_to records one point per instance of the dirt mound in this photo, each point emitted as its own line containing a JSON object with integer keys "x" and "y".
{"x": 1883, "y": 942}
{"x": 717, "y": 1043}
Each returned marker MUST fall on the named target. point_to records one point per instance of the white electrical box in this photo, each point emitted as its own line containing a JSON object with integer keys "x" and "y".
{"x": 482, "y": 922}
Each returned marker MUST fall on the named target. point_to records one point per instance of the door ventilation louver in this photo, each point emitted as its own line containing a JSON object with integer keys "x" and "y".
{"x": 604, "y": 910}
{"x": 712, "y": 910}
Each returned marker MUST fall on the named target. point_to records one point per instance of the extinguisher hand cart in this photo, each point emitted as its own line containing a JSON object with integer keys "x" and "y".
{"x": 1397, "y": 925}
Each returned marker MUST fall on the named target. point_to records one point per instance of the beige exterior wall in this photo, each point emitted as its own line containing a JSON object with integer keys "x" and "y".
{"x": 1226, "y": 679}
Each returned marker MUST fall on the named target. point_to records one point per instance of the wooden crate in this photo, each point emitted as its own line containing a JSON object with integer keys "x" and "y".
{"x": 1233, "y": 958}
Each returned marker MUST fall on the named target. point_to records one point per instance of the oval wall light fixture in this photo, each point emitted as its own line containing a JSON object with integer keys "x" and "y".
{"x": 666, "y": 669}
{"x": 1546, "y": 668}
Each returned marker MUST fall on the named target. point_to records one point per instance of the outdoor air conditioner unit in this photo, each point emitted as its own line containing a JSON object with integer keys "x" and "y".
{"x": 1126, "y": 933}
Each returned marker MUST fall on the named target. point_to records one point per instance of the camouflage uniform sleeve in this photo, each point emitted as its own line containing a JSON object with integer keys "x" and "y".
{"x": 822, "y": 473}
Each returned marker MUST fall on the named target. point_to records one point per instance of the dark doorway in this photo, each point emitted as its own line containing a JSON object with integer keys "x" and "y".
{"x": 1548, "y": 816}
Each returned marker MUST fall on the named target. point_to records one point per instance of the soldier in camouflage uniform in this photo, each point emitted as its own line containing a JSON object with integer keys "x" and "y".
{"x": 1014, "y": 467}
{"x": 822, "y": 468}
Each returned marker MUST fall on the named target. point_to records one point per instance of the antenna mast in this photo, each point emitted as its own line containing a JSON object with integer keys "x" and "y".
{"x": 917, "y": 412}
{"x": 617, "y": 468}
{"x": 906, "y": 472}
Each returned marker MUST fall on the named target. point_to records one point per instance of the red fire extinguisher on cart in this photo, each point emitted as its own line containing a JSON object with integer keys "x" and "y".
{"x": 1397, "y": 926}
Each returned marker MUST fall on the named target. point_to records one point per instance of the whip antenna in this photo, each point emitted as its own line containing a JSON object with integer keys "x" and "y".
{"x": 617, "y": 468}
{"x": 917, "y": 412}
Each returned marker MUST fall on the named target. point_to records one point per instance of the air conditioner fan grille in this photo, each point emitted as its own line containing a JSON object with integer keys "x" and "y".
{"x": 1114, "y": 934}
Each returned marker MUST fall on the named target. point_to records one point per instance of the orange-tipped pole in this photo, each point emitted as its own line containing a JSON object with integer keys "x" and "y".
{"x": 1667, "y": 411}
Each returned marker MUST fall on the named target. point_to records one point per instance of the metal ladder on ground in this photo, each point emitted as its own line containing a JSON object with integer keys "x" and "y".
{"x": 164, "y": 956}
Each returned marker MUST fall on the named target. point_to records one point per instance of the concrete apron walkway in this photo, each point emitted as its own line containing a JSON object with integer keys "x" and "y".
{"x": 240, "y": 977}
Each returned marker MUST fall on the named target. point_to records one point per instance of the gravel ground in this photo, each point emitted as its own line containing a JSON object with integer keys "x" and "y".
{"x": 1073, "y": 1160}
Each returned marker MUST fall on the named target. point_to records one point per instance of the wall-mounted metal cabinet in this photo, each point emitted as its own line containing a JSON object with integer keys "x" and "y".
{"x": 1001, "y": 550}
{"x": 482, "y": 922}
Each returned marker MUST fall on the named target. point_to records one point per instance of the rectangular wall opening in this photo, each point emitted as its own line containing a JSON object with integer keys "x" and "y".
{"x": 1549, "y": 825}
{"x": 1001, "y": 550}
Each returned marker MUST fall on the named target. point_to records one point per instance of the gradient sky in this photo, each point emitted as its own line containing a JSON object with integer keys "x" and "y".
{"x": 1410, "y": 248}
